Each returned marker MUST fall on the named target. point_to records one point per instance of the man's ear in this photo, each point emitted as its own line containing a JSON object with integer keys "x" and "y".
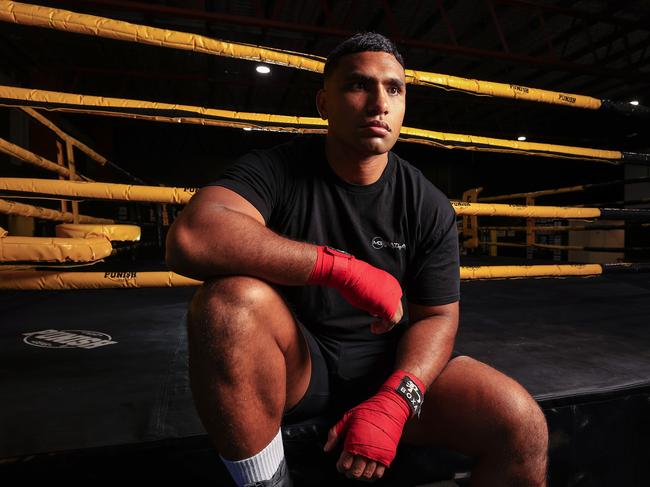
{"x": 321, "y": 102}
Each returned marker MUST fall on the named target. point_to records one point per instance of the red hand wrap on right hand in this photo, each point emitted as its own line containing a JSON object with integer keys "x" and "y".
{"x": 362, "y": 285}
{"x": 373, "y": 428}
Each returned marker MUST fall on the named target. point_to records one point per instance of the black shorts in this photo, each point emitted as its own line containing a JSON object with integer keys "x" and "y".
{"x": 329, "y": 395}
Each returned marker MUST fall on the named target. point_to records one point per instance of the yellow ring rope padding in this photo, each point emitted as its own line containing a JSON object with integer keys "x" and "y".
{"x": 53, "y": 280}
{"x": 34, "y": 159}
{"x": 104, "y": 191}
{"x": 118, "y": 233}
{"x": 521, "y": 211}
{"x": 65, "y": 20}
{"x": 13, "y": 208}
{"x": 48, "y": 249}
{"x": 508, "y": 272}
{"x": 12, "y": 96}
{"x": 154, "y": 194}
{"x": 65, "y": 137}
{"x": 99, "y": 104}
{"x": 68, "y": 21}
{"x": 475, "y": 142}
{"x": 501, "y": 90}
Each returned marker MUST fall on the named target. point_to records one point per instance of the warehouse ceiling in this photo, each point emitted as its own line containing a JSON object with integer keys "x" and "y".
{"x": 596, "y": 48}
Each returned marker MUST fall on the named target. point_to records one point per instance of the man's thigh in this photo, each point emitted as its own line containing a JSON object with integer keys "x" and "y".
{"x": 242, "y": 326}
{"x": 468, "y": 408}
{"x": 316, "y": 398}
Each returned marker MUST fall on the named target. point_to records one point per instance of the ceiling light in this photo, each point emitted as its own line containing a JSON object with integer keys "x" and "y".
{"x": 521, "y": 138}
{"x": 248, "y": 129}
{"x": 634, "y": 102}
{"x": 263, "y": 69}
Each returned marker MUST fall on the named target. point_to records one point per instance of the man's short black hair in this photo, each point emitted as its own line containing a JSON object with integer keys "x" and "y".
{"x": 361, "y": 42}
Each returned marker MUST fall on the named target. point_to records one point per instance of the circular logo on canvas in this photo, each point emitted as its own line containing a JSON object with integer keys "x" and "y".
{"x": 68, "y": 339}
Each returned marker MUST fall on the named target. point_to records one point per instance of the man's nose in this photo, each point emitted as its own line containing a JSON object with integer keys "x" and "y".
{"x": 378, "y": 101}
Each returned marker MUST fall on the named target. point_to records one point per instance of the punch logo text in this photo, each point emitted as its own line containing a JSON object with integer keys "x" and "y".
{"x": 521, "y": 89}
{"x": 86, "y": 339}
{"x": 568, "y": 99}
{"x": 120, "y": 275}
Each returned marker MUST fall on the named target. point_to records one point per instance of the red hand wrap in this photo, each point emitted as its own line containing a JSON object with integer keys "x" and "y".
{"x": 374, "y": 427}
{"x": 362, "y": 285}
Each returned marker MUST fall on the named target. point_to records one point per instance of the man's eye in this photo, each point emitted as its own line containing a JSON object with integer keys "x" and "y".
{"x": 358, "y": 85}
{"x": 394, "y": 90}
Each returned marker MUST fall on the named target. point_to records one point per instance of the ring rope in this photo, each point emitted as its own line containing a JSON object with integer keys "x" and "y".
{"x": 14, "y": 208}
{"x": 29, "y": 157}
{"x": 101, "y": 160}
{"x": 68, "y": 21}
{"x": 156, "y": 194}
{"x": 56, "y": 280}
{"x": 567, "y": 189}
{"x": 165, "y": 112}
{"x": 95, "y": 190}
{"x": 563, "y": 247}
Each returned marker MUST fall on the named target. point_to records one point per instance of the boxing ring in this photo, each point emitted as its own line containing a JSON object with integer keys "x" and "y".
{"x": 579, "y": 346}
{"x": 95, "y": 382}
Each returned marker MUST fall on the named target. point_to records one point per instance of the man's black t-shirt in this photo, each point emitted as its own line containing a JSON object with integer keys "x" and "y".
{"x": 401, "y": 223}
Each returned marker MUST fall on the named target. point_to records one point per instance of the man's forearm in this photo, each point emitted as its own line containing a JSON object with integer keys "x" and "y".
{"x": 234, "y": 243}
{"x": 426, "y": 346}
{"x": 210, "y": 240}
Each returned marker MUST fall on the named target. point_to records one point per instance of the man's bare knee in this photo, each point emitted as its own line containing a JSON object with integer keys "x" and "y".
{"x": 233, "y": 310}
{"x": 231, "y": 299}
{"x": 228, "y": 292}
{"x": 525, "y": 429}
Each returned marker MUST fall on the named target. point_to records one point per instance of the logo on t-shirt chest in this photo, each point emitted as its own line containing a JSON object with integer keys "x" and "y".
{"x": 379, "y": 243}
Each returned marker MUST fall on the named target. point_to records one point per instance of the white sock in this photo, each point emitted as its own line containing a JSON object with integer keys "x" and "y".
{"x": 260, "y": 466}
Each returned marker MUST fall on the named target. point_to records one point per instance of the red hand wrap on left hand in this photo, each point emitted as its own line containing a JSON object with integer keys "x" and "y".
{"x": 374, "y": 427}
